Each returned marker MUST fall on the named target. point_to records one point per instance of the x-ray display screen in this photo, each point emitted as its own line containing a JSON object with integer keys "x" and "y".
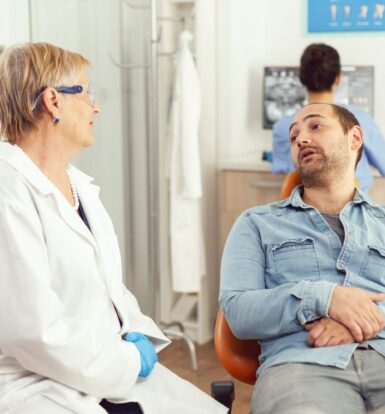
{"x": 284, "y": 94}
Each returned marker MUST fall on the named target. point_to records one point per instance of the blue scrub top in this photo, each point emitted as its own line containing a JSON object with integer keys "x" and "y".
{"x": 373, "y": 153}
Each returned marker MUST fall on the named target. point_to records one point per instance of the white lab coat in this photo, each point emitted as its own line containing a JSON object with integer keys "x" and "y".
{"x": 187, "y": 243}
{"x": 60, "y": 338}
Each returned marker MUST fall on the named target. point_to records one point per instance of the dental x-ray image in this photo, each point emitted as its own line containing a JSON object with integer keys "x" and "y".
{"x": 285, "y": 95}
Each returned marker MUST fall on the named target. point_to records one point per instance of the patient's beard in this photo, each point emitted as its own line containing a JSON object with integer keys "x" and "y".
{"x": 327, "y": 169}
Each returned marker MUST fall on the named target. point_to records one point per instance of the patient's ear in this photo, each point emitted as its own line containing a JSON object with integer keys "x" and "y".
{"x": 356, "y": 137}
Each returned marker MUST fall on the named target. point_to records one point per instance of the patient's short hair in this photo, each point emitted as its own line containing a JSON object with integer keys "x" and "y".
{"x": 347, "y": 121}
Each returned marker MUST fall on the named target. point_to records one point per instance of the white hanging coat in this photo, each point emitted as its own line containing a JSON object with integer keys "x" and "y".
{"x": 186, "y": 233}
{"x": 60, "y": 292}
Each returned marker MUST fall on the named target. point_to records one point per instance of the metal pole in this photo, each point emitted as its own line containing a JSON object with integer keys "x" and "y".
{"x": 153, "y": 163}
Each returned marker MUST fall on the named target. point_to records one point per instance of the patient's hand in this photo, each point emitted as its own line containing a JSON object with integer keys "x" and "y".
{"x": 327, "y": 332}
{"x": 356, "y": 309}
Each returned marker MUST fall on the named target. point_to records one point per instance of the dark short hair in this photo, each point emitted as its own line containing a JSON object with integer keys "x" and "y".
{"x": 320, "y": 65}
{"x": 347, "y": 121}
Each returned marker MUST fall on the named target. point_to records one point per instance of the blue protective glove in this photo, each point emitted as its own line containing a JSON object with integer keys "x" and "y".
{"x": 148, "y": 356}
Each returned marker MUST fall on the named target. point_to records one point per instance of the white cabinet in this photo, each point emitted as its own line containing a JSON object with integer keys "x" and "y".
{"x": 240, "y": 190}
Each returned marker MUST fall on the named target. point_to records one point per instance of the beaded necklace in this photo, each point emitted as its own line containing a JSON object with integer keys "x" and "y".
{"x": 75, "y": 194}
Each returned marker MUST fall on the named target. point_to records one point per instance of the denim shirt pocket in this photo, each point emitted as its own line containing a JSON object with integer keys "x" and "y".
{"x": 374, "y": 265}
{"x": 295, "y": 260}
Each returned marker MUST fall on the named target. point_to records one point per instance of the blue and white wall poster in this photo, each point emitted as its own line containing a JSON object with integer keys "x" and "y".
{"x": 345, "y": 15}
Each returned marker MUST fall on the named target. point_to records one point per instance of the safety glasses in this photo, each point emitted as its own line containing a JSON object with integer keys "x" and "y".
{"x": 71, "y": 90}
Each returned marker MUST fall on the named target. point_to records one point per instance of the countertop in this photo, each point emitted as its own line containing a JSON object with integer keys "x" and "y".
{"x": 247, "y": 162}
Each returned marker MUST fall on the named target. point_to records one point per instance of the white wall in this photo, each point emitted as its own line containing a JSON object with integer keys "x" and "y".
{"x": 206, "y": 46}
{"x": 14, "y": 22}
{"x": 240, "y": 53}
{"x": 253, "y": 34}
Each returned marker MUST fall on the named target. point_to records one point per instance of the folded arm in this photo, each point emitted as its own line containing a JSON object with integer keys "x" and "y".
{"x": 255, "y": 312}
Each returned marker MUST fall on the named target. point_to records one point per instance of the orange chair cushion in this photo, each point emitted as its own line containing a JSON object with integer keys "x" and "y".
{"x": 289, "y": 183}
{"x": 239, "y": 357}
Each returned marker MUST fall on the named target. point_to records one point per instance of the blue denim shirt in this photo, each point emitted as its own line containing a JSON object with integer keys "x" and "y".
{"x": 373, "y": 154}
{"x": 280, "y": 265}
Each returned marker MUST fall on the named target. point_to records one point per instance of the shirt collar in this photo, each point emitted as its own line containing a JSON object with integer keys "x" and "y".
{"x": 16, "y": 157}
{"x": 295, "y": 198}
{"x": 360, "y": 197}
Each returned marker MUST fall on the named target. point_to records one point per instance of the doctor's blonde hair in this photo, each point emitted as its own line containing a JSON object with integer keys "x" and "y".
{"x": 25, "y": 71}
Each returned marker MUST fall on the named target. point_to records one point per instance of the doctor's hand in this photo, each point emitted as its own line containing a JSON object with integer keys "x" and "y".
{"x": 327, "y": 332}
{"x": 355, "y": 308}
{"x": 148, "y": 356}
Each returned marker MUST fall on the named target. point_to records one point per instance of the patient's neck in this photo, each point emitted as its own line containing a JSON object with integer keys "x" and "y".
{"x": 329, "y": 199}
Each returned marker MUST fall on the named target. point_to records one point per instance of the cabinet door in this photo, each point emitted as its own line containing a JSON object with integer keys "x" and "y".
{"x": 240, "y": 190}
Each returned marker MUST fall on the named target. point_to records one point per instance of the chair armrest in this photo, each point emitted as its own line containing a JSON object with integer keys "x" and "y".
{"x": 223, "y": 391}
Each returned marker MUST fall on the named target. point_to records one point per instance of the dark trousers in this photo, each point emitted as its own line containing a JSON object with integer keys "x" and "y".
{"x": 125, "y": 408}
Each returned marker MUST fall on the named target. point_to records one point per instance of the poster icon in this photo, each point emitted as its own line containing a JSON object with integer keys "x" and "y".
{"x": 345, "y": 15}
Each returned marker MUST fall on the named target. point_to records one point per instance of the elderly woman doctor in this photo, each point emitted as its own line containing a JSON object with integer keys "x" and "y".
{"x": 71, "y": 335}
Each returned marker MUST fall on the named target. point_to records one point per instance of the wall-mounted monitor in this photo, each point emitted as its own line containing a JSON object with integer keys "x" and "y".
{"x": 284, "y": 94}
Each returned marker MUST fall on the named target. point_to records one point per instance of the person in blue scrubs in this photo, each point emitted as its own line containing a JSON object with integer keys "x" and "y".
{"x": 320, "y": 73}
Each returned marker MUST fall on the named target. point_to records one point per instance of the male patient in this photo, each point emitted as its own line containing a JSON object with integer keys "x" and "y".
{"x": 305, "y": 277}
